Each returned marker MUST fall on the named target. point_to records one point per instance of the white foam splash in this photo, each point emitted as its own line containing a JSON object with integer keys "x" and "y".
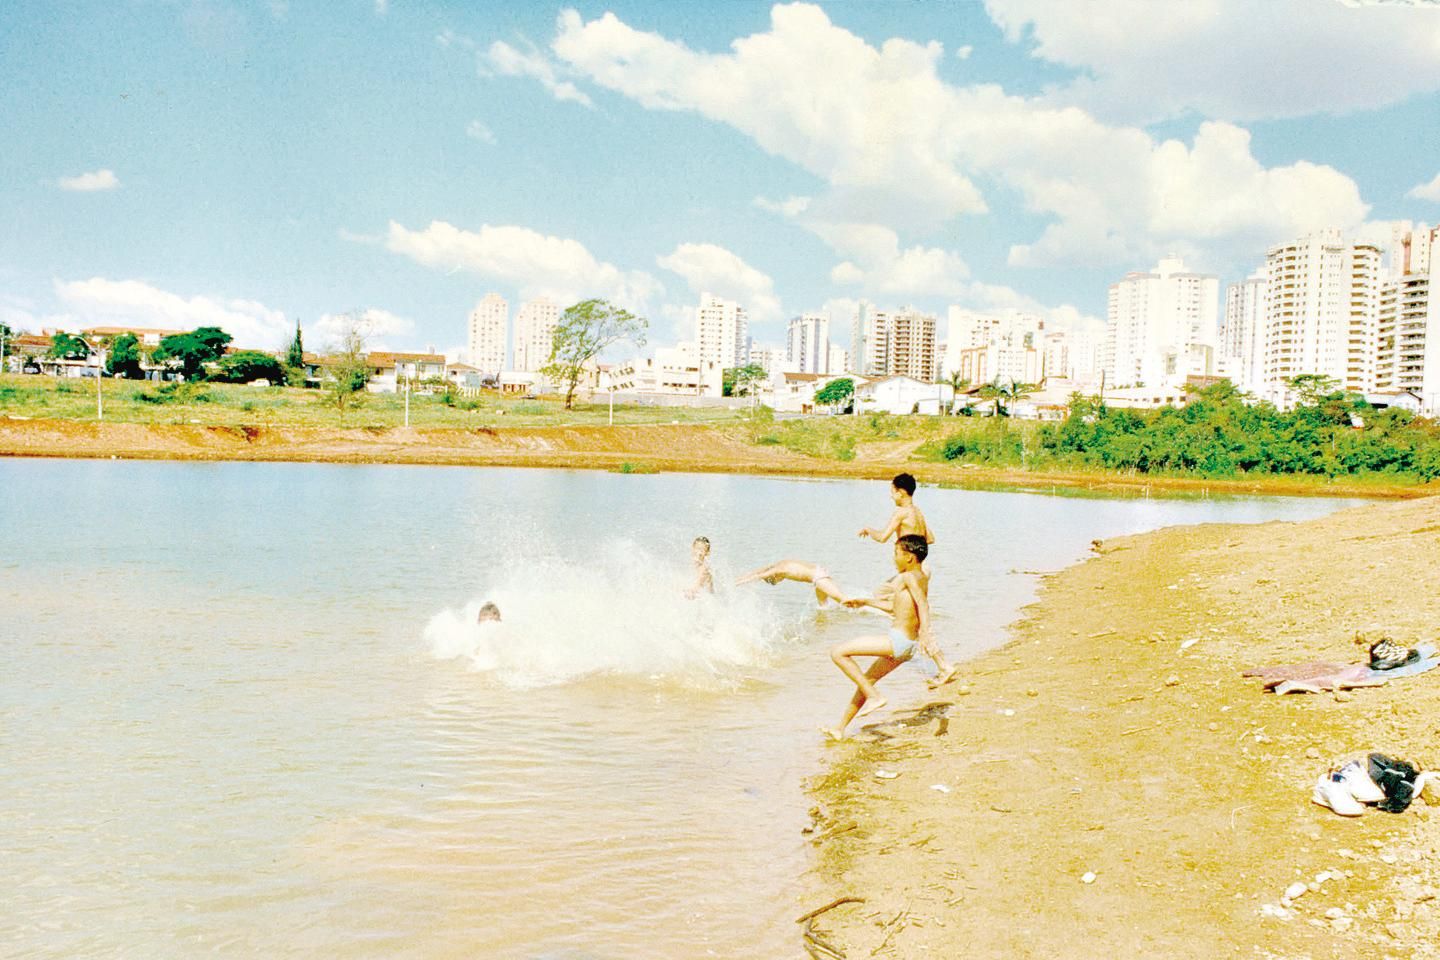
{"x": 621, "y": 614}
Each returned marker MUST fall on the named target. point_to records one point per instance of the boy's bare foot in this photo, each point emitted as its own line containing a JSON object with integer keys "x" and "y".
{"x": 943, "y": 678}
{"x": 870, "y": 706}
{"x": 833, "y": 734}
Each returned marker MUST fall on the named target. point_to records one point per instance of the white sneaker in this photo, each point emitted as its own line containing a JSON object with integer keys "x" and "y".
{"x": 1331, "y": 791}
{"x": 1357, "y": 780}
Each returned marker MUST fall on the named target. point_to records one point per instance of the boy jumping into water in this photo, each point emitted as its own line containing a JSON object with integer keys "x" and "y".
{"x": 909, "y": 609}
{"x": 704, "y": 579}
{"x": 798, "y": 570}
{"x": 907, "y": 520}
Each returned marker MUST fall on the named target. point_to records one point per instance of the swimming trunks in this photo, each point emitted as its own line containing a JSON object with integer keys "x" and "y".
{"x": 901, "y": 646}
{"x": 820, "y": 574}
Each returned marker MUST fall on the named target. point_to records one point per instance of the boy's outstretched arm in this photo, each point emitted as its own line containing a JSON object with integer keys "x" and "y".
{"x": 887, "y": 533}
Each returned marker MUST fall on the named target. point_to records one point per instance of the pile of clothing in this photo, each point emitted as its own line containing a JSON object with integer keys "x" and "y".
{"x": 1388, "y": 661}
{"x": 1379, "y": 781}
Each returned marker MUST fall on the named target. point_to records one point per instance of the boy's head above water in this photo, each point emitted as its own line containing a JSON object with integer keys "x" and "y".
{"x": 700, "y": 548}
{"x": 902, "y": 487}
{"x": 488, "y": 613}
{"x": 910, "y": 551}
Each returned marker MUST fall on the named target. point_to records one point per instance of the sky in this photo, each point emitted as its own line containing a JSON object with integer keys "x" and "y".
{"x": 257, "y": 163}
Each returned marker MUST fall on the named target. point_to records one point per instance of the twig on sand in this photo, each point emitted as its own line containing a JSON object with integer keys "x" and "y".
{"x": 818, "y": 945}
{"x": 1150, "y": 726}
{"x": 839, "y": 901}
{"x": 896, "y": 924}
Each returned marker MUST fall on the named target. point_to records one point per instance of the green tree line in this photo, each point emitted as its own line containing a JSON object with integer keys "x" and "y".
{"x": 1219, "y": 434}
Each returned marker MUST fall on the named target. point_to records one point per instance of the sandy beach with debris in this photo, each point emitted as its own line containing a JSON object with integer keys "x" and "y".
{"x": 1109, "y": 785}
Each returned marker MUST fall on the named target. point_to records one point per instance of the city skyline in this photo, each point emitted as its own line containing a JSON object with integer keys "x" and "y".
{"x": 250, "y": 164}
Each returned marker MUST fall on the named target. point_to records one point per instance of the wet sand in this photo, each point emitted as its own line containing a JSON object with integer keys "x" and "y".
{"x": 1114, "y": 736}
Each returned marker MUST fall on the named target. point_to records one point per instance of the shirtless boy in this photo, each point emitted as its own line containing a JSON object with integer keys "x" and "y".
{"x": 704, "y": 579}
{"x": 907, "y": 520}
{"x": 798, "y": 570}
{"x": 909, "y": 608}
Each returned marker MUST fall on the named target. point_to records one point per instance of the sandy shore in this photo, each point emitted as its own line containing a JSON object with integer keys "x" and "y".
{"x": 1102, "y": 740}
{"x": 694, "y": 448}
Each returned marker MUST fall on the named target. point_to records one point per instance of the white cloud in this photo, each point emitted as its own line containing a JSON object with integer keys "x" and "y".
{"x": 557, "y": 267}
{"x": 382, "y": 7}
{"x": 1229, "y": 59}
{"x": 90, "y": 182}
{"x": 789, "y": 207}
{"x": 115, "y": 302}
{"x": 449, "y": 38}
{"x": 713, "y": 269}
{"x": 476, "y": 130}
{"x": 901, "y": 148}
{"x": 507, "y": 61}
{"x": 1427, "y": 191}
{"x": 963, "y": 53}
{"x": 379, "y": 328}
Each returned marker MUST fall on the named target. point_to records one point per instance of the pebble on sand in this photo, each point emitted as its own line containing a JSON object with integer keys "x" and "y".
{"x": 1088, "y": 877}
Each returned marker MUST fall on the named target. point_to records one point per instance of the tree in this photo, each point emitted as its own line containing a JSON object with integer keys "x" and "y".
{"x": 836, "y": 392}
{"x": 64, "y": 346}
{"x": 190, "y": 352}
{"x": 1004, "y": 393}
{"x": 1313, "y": 388}
{"x": 741, "y": 381}
{"x": 242, "y": 366}
{"x": 350, "y": 369}
{"x": 295, "y": 353}
{"x": 124, "y": 357}
{"x": 584, "y": 332}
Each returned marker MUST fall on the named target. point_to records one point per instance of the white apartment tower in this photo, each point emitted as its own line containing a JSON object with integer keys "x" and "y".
{"x": 1242, "y": 334}
{"x": 535, "y": 325}
{"x": 807, "y": 343}
{"x": 489, "y": 330}
{"x": 870, "y": 340}
{"x": 1408, "y": 356}
{"x": 722, "y": 333}
{"x": 839, "y": 360}
{"x": 1321, "y": 312}
{"x": 1161, "y": 326}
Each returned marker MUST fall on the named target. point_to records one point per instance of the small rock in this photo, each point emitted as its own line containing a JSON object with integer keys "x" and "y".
{"x": 1172, "y": 681}
{"x": 886, "y": 774}
{"x": 1334, "y": 913}
{"x": 1343, "y": 696}
{"x": 1312, "y": 754}
{"x": 1295, "y": 891}
{"x": 940, "y": 786}
{"x": 1213, "y": 725}
{"x": 963, "y": 690}
{"x": 1008, "y": 712}
{"x": 1032, "y": 692}
{"x": 1088, "y": 877}
{"x": 1387, "y": 858}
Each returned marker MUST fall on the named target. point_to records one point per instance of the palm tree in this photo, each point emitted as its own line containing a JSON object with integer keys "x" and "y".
{"x": 1004, "y": 393}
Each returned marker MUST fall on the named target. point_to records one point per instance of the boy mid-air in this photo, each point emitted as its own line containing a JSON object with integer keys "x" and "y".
{"x": 801, "y": 572}
{"x": 907, "y": 520}
{"x": 909, "y": 609}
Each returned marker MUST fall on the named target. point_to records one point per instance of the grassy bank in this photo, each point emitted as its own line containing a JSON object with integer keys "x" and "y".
{"x": 219, "y": 404}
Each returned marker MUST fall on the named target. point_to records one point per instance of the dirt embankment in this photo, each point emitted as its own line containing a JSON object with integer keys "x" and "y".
{"x": 641, "y": 448}
{"x": 1114, "y": 737}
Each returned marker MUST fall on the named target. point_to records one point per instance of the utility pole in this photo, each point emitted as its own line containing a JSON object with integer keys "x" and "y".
{"x": 99, "y": 394}
{"x": 407, "y": 400}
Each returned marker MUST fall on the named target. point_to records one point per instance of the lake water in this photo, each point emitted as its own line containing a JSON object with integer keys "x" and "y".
{"x": 243, "y": 711}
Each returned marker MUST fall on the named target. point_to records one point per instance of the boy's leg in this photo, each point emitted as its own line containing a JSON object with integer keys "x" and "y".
{"x": 828, "y": 589}
{"x": 866, "y": 700}
{"x": 947, "y": 670}
{"x": 878, "y": 669}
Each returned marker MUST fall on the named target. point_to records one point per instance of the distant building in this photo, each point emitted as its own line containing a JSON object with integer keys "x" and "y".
{"x": 535, "y": 325}
{"x": 1408, "y": 324}
{"x": 672, "y": 371}
{"x": 389, "y": 370}
{"x": 902, "y": 395}
{"x": 870, "y": 340}
{"x": 808, "y": 343}
{"x": 911, "y": 345}
{"x": 839, "y": 359}
{"x": 769, "y": 359}
{"x": 1161, "y": 326}
{"x": 722, "y": 331}
{"x": 1242, "y": 333}
{"x": 489, "y": 333}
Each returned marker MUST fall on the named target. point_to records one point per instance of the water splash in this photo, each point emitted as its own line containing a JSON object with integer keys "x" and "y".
{"x": 620, "y": 613}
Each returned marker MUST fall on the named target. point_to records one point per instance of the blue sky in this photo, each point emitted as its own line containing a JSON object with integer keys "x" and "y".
{"x": 250, "y": 162}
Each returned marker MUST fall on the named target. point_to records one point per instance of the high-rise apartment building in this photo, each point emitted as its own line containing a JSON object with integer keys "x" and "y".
{"x": 807, "y": 343}
{"x": 1006, "y": 346}
{"x": 1161, "y": 326}
{"x": 1408, "y": 320}
{"x": 535, "y": 325}
{"x": 911, "y": 345}
{"x": 870, "y": 340}
{"x": 1321, "y": 313}
{"x": 1242, "y": 333}
{"x": 722, "y": 333}
{"x": 839, "y": 360}
{"x": 489, "y": 331}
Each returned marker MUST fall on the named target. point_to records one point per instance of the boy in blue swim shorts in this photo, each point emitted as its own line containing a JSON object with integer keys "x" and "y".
{"x": 909, "y": 609}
